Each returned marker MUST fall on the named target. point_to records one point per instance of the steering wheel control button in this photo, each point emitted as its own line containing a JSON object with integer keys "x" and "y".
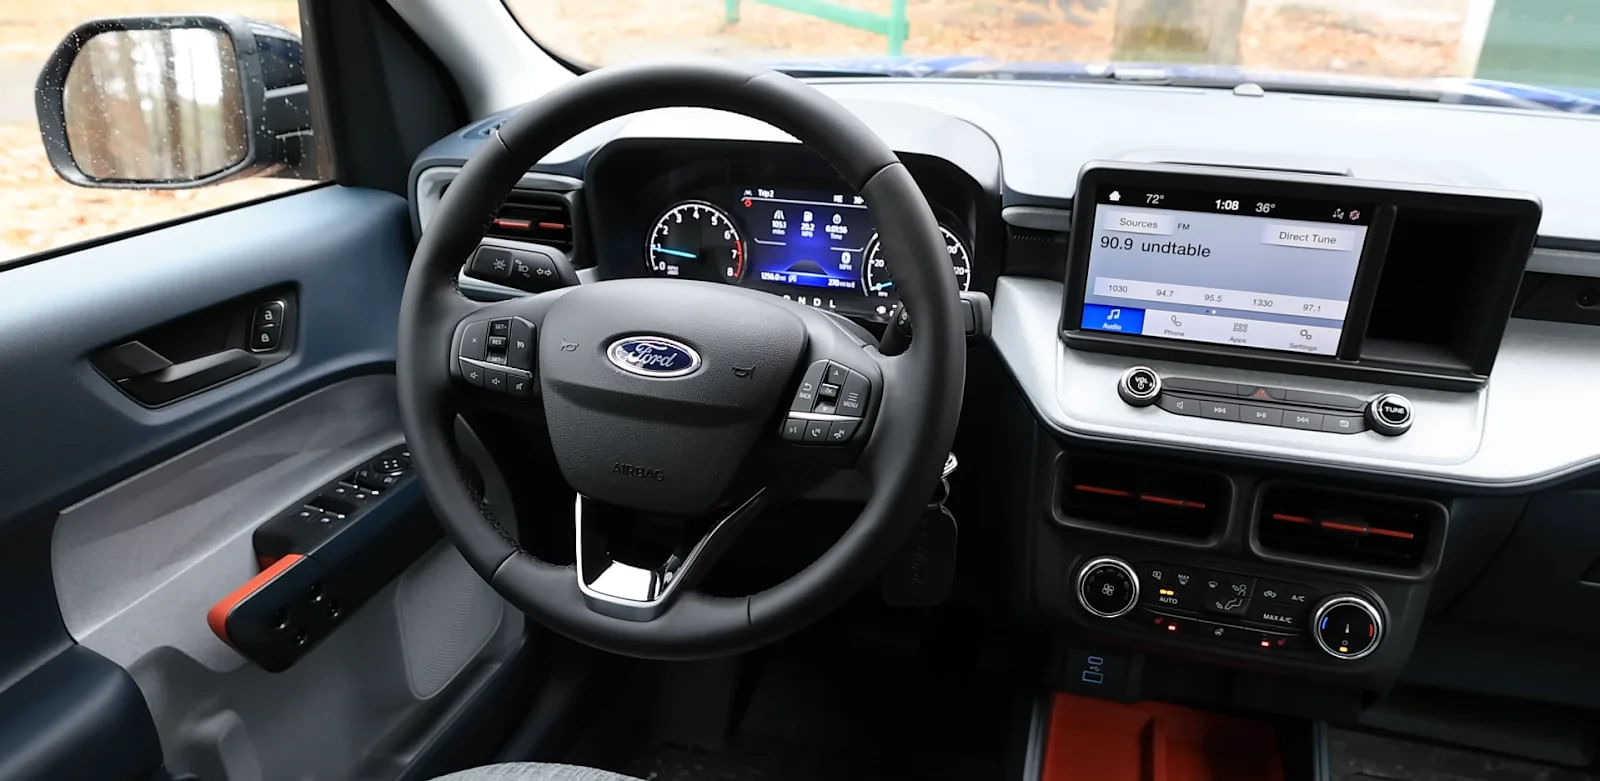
{"x": 836, "y": 374}
{"x": 842, "y": 431}
{"x": 854, "y": 395}
{"x": 828, "y": 393}
{"x": 1390, "y": 414}
{"x": 1227, "y": 594}
{"x": 495, "y": 380}
{"x": 491, "y": 263}
{"x": 519, "y": 351}
{"x": 1347, "y": 627}
{"x": 1343, "y": 424}
{"x": 500, "y": 328}
{"x": 1139, "y": 386}
{"x": 519, "y": 385}
{"x": 805, "y": 397}
{"x": 1310, "y": 421}
{"x": 1261, "y": 416}
{"x": 475, "y": 340}
{"x": 816, "y": 432}
{"x": 794, "y": 429}
{"x": 1108, "y": 587}
{"x": 472, "y": 373}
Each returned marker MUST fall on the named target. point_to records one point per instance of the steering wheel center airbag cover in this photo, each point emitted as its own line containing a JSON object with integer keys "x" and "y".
{"x": 656, "y": 390}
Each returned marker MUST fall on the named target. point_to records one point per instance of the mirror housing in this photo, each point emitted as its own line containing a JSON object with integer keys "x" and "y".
{"x": 117, "y": 110}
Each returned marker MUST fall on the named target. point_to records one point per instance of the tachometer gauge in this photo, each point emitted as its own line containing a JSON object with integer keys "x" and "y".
{"x": 695, "y": 240}
{"x": 876, "y": 280}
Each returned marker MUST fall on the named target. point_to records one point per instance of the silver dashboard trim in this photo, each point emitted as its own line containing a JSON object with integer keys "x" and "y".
{"x": 1526, "y": 426}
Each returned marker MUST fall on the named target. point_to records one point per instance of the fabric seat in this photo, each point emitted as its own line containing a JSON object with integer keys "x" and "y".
{"x": 534, "y": 771}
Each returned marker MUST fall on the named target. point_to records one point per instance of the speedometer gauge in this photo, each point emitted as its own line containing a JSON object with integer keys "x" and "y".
{"x": 877, "y": 281}
{"x": 695, "y": 240}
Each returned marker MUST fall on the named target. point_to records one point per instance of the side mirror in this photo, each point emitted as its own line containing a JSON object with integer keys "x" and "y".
{"x": 172, "y": 102}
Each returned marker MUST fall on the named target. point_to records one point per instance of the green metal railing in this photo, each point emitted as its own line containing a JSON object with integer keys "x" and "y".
{"x": 891, "y": 25}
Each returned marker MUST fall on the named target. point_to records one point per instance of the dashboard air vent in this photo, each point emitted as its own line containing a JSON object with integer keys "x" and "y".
{"x": 538, "y": 217}
{"x": 1347, "y": 527}
{"x": 1105, "y": 493}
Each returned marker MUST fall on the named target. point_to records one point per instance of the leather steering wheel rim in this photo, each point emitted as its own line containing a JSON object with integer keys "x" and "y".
{"x": 920, "y": 402}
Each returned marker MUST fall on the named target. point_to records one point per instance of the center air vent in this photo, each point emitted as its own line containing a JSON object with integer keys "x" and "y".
{"x": 1112, "y": 494}
{"x": 1347, "y": 527}
{"x": 538, "y": 217}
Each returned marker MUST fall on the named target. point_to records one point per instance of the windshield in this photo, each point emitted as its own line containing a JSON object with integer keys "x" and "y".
{"x": 1537, "y": 54}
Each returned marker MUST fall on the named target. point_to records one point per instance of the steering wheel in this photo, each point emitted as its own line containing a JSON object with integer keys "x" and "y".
{"x": 668, "y": 397}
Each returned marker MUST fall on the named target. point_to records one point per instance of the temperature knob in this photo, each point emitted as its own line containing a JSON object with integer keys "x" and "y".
{"x": 1346, "y": 626}
{"x": 1108, "y": 587}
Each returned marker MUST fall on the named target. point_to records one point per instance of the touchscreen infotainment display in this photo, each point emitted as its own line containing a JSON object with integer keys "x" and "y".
{"x": 1236, "y": 269}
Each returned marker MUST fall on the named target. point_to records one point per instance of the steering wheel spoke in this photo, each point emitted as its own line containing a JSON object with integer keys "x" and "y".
{"x": 638, "y": 593}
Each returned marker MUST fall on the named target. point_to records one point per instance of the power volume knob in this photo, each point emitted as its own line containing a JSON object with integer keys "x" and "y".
{"x": 1108, "y": 587}
{"x": 1347, "y": 627}
{"x": 1139, "y": 386}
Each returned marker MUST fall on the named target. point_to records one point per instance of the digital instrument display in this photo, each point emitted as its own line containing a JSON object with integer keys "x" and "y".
{"x": 1229, "y": 268}
{"x": 817, "y": 247}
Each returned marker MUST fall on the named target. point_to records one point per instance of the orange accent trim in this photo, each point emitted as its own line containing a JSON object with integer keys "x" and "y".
{"x": 1391, "y": 533}
{"x": 1148, "y": 741}
{"x": 217, "y": 616}
{"x": 553, "y": 226}
{"x": 1190, "y": 503}
{"x": 507, "y": 222}
{"x": 263, "y": 562}
{"x": 1290, "y": 518}
{"x": 1095, "y": 489}
{"x": 1344, "y": 527}
{"x": 1160, "y": 500}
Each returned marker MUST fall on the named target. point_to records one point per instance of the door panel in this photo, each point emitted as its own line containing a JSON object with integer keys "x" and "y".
{"x": 121, "y": 525}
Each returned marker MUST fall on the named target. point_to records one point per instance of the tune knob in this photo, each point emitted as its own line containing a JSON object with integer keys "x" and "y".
{"x": 1389, "y": 414}
{"x": 1346, "y": 626}
{"x": 1108, "y": 587}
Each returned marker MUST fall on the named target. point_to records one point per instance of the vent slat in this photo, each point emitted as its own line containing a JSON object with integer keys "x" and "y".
{"x": 540, "y": 218}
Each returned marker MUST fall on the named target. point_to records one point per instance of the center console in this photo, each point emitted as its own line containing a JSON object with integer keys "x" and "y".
{"x": 1214, "y": 316}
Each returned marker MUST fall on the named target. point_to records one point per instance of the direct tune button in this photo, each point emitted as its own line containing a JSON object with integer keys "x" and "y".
{"x": 1108, "y": 587}
{"x": 1139, "y": 386}
{"x": 1347, "y": 627}
{"x": 1390, "y": 414}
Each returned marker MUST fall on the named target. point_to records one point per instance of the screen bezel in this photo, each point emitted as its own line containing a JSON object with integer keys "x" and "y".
{"x": 1244, "y": 182}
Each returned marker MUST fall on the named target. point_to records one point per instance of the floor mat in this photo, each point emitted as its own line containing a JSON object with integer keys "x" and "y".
{"x": 1361, "y": 756}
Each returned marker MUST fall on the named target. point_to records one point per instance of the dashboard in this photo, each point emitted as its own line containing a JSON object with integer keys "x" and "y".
{"x": 1302, "y": 348}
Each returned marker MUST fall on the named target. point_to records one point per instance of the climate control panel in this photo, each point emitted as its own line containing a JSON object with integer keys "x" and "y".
{"x": 1212, "y": 606}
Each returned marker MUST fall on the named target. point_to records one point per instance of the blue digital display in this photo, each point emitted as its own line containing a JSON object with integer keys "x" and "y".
{"x": 1121, "y": 319}
{"x": 805, "y": 238}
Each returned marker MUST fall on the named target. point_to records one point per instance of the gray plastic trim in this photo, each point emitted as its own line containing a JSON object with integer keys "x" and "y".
{"x": 1562, "y": 261}
{"x": 1527, "y": 425}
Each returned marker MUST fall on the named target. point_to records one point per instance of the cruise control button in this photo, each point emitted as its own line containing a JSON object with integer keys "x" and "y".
{"x": 1310, "y": 421}
{"x": 501, "y": 328}
{"x": 1219, "y": 410}
{"x": 1227, "y": 594}
{"x": 1261, "y": 416}
{"x": 794, "y": 429}
{"x": 1179, "y": 405}
{"x": 472, "y": 373}
{"x": 841, "y": 431}
{"x": 816, "y": 432}
{"x": 474, "y": 340}
{"x": 805, "y": 397}
{"x": 519, "y": 351}
{"x": 854, "y": 395}
{"x": 1343, "y": 424}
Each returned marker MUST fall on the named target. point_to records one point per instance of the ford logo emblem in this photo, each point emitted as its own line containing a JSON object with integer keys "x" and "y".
{"x": 653, "y": 356}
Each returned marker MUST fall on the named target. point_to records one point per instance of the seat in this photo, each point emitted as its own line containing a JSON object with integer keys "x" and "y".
{"x": 534, "y": 771}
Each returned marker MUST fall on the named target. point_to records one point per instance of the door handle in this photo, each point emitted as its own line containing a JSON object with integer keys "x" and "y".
{"x": 155, "y": 380}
